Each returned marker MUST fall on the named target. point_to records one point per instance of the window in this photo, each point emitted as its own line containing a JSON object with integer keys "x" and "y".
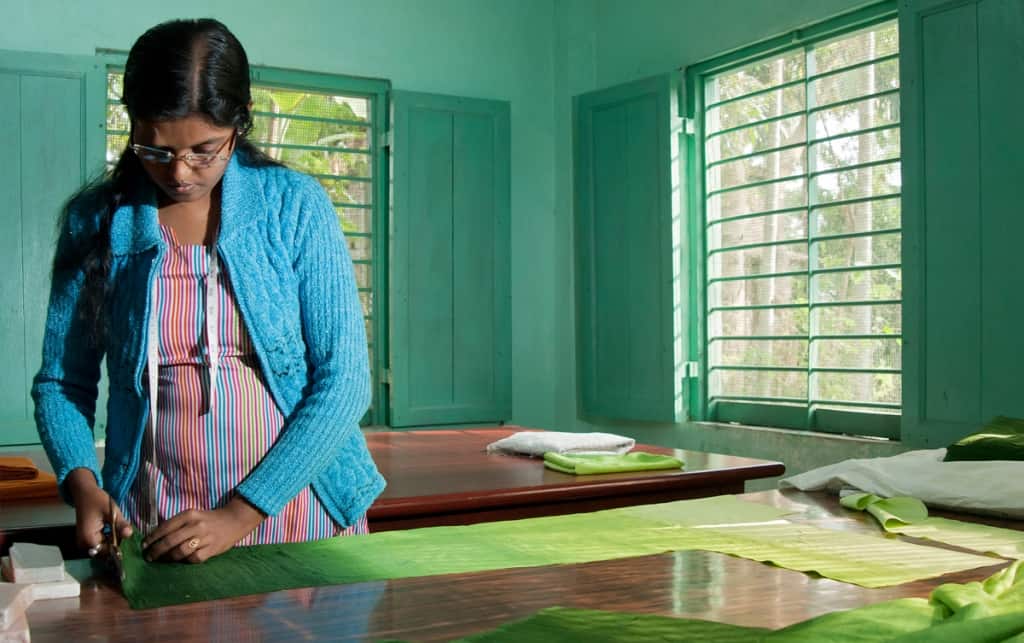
{"x": 331, "y": 133}
{"x": 800, "y": 151}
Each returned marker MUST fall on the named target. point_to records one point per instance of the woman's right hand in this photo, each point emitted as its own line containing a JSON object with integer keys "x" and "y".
{"x": 92, "y": 511}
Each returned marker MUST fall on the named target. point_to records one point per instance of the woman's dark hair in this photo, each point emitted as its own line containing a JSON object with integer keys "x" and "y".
{"x": 175, "y": 69}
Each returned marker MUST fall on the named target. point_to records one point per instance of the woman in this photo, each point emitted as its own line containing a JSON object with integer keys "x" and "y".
{"x": 206, "y": 273}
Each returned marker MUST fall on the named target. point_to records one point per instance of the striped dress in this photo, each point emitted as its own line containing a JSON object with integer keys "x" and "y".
{"x": 202, "y": 453}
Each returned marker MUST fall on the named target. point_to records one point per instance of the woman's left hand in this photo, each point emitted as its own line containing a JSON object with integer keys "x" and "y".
{"x": 195, "y": 536}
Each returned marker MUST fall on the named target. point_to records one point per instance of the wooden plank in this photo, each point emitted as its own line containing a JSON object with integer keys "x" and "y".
{"x": 952, "y": 298}
{"x": 1001, "y": 137}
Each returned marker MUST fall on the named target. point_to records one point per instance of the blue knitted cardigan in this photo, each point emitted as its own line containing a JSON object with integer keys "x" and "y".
{"x": 281, "y": 244}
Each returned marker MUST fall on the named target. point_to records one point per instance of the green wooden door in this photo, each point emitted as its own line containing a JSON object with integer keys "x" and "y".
{"x": 963, "y": 135}
{"x": 629, "y": 339}
{"x": 52, "y": 139}
{"x": 450, "y": 333}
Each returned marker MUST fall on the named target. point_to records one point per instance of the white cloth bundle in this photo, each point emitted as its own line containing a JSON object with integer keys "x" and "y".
{"x": 538, "y": 443}
{"x": 993, "y": 487}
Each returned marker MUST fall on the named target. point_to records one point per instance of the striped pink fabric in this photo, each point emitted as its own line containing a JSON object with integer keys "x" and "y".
{"x": 203, "y": 453}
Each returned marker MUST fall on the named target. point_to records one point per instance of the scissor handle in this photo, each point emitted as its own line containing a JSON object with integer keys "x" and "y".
{"x": 113, "y": 524}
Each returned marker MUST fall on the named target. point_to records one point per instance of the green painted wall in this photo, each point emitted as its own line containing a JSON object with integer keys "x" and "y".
{"x": 603, "y": 43}
{"x": 494, "y": 49}
{"x": 537, "y": 54}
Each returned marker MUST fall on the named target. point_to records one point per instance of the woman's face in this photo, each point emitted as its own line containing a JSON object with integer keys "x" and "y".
{"x": 185, "y": 178}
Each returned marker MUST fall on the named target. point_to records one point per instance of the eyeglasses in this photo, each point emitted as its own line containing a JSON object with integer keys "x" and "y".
{"x": 195, "y": 160}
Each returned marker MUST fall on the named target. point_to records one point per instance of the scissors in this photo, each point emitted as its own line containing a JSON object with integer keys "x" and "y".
{"x": 113, "y": 544}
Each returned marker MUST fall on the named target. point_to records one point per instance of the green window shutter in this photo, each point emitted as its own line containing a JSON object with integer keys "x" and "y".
{"x": 450, "y": 333}
{"x": 53, "y": 141}
{"x": 963, "y": 133}
{"x": 626, "y": 226}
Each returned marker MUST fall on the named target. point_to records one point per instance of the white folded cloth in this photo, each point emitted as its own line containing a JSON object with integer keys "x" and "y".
{"x": 540, "y": 442}
{"x": 991, "y": 487}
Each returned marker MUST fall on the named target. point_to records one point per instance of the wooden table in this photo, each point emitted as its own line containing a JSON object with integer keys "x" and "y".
{"x": 689, "y": 584}
{"x": 446, "y": 478}
{"x": 443, "y": 477}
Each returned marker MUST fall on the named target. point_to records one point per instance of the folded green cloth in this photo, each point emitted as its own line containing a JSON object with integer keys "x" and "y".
{"x": 587, "y": 463}
{"x": 889, "y": 512}
{"x": 1000, "y": 439}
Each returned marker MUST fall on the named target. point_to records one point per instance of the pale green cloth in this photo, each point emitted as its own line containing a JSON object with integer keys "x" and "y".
{"x": 590, "y": 463}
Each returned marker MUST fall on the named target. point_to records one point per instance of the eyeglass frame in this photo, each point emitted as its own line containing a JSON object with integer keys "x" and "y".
{"x": 166, "y": 157}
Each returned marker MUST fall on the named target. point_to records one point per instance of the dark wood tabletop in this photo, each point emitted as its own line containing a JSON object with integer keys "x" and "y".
{"x": 689, "y": 584}
{"x": 444, "y": 477}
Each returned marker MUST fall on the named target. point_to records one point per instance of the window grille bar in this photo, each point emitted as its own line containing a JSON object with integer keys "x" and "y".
{"x": 791, "y": 273}
{"x": 864, "y": 63}
{"x": 313, "y": 119}
{"x": 759, "y": 92}
{"x": 772, "y": 369}
{"x": 756, "y": 184}
{"x": 743, "y": 157}
{"x": 763, "y": 121}
{"x": 751, "y": 246}
{"x": 751, "y": 215}
{"x": 854, "y": 235}
{"x": 850, "y": 101}
{"x": 314, "y": 148}
{"x": 855, "y": 166}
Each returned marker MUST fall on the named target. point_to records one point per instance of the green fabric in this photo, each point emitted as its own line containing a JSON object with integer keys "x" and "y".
{"x": 1000, "y": 439}
{"x": 992, "y": 610}
{"x": 589, "y": 463}
{"x": 889, "y": 512}
{"x": 558, "y": 624}
{"x": 878, "y": 622}
{"x": 577, "y": 538}
{"x": 909, "y": 516}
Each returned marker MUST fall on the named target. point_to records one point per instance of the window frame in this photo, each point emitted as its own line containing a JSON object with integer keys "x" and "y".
{"x": 804, "y": 417}
{"x": 377, "y": 91}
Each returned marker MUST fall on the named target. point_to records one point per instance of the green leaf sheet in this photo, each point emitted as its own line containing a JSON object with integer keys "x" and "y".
{"x": 889, "y": 512}
{"x": 582, "y": 464}
{"x": 559, "y": 624}
{"x": 989, "y": 611}
{"x": 740, "y": 530}
{"x": 909, "y": 516}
